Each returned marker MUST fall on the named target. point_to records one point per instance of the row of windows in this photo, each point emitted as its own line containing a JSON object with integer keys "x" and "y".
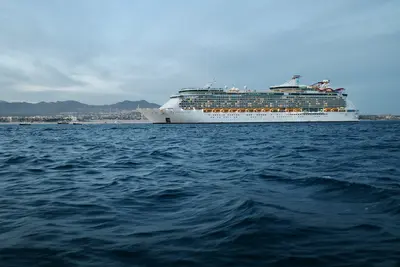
{"x": 260, "y": 114}
{"x": 281, "y": 104}
{"x": 258, "y": 98}
{"x": 262, "y": 100}
{"x": 208, "y": 99}
{"x": 220, "y": 93}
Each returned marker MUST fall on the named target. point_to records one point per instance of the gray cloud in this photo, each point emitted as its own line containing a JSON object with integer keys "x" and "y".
{"x": 102, "y": 52}
{"x": 50, "y": 76}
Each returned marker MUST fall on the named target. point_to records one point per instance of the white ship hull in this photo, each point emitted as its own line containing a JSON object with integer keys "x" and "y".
{"x": 198, "y": 116}
{"x": 233, "y": 106}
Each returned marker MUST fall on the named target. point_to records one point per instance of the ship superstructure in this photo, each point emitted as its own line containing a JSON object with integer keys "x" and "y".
{"x": 288, "y": 102}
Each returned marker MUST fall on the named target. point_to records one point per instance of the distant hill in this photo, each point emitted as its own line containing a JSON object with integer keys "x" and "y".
{"x": 54, "y": 108}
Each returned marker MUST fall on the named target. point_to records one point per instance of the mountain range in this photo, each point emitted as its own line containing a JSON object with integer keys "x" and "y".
{"x": 55, "y": 108}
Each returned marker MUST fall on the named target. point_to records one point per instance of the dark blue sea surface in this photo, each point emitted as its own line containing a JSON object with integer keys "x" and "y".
{"x": 312, "y": 194}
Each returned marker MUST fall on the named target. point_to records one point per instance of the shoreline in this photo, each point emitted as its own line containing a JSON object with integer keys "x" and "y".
{"x": 112, "y": 122}
{"x": 80, "y": 122}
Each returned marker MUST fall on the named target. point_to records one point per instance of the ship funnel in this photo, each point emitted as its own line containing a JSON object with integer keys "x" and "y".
{"x": 296, "y": 78}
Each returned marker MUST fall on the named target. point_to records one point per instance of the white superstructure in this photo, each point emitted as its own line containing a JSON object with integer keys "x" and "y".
{"x": 289, "y": 102}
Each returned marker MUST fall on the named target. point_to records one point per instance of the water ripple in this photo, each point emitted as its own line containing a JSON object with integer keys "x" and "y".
{"x": 200, "y": 195}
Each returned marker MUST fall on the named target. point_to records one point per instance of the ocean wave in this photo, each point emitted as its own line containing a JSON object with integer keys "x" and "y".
{"x": 199, "y": 195}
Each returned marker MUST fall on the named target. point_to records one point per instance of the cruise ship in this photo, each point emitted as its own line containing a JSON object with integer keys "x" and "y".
{"x": 288, "y": 102}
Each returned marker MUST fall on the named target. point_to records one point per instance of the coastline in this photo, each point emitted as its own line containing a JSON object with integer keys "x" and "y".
{"x": 114, "y": 122}
{"x": 80, "y": 122}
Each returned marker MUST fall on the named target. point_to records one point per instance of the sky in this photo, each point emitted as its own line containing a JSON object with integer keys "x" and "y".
{"x": 105, "y": 51}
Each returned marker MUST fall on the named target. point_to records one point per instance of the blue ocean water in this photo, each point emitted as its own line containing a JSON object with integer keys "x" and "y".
{"x": 200, "y": 195}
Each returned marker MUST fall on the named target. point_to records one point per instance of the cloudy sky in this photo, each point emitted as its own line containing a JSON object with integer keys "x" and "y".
{"x": 103, "y": 51}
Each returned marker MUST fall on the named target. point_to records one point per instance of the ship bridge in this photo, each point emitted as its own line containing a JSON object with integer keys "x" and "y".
{"x": 200, "y": 90}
